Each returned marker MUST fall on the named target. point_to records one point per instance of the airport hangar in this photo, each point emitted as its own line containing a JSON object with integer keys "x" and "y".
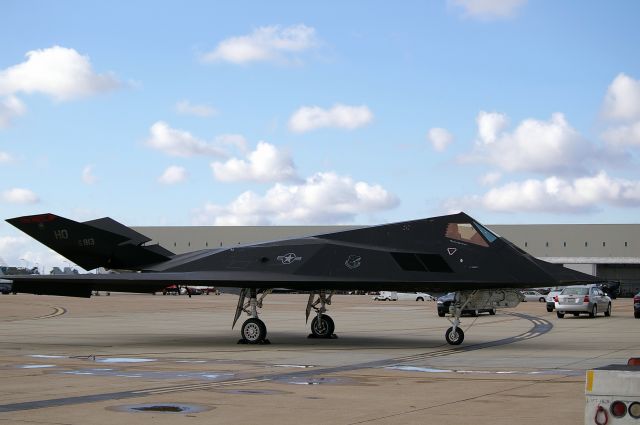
{"x": 609, "y": 251}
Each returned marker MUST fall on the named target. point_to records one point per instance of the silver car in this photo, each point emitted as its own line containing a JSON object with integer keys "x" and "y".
{"x": 582, "y": 299}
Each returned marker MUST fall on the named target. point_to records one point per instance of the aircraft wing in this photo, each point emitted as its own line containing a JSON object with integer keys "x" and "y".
{"x": 83, "y": 284}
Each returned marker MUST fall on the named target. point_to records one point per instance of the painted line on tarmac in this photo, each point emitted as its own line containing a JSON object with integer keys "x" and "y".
{"x": 540, "y": 327}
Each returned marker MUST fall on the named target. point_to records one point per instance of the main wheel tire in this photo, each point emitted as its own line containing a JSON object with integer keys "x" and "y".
{"x": 576, "y": 314}
{"x": 454, "y": 338}
{"x": 549, "y": 309}
{"x": 254, "y": 331}
{"x": 419, "y": 299}
{"x": 560, "y": 315}
{"x": 492, "y": 312}
{"x": 607, "y": 313}
{"x": 541, "y": 299}
{"x": 324, "y": 327}
{"x": 474, "y": 313}
{"x": 594, "y": 311}
{"x": 441, "y": 313}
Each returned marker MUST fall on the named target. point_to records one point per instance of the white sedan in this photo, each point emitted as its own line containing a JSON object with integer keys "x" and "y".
{"x": 415, "y": 296}
{"x": 533, "y": 296}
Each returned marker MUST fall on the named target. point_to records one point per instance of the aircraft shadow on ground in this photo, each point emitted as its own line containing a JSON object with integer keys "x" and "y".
{"x": 289, "y": 341}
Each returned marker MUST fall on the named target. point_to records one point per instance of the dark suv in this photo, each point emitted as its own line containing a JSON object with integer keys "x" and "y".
{"x": 5, "y": 288}
{"x": 445, "y": 301}
{"x": 636, "y": 306}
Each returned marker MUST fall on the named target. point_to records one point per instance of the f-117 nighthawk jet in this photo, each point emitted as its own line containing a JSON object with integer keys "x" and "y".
{"x": 439, "y": 254}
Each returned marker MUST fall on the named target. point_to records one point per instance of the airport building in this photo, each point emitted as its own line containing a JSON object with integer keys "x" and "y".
{"x": 609, "y": 251}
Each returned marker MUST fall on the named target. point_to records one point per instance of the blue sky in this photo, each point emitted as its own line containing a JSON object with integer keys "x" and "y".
{"x": 363, "y": 112}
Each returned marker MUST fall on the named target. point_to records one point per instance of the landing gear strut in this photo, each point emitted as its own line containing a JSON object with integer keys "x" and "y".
{"x": 253, "y": 330}
{"x": 454, "y": 334}
{"x": 322, "y": 325}
{"x": 479, "y": 299}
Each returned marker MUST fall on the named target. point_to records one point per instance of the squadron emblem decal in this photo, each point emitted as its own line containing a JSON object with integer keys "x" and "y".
{"x": 353, "y": 262}
{"x": 288, "y": 258}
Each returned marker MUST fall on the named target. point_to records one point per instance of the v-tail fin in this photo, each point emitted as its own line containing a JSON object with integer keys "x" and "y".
{"x": 97, "y": 243}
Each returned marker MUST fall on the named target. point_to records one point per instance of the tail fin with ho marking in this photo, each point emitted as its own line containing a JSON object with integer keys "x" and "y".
{"x": 97, "y": 243}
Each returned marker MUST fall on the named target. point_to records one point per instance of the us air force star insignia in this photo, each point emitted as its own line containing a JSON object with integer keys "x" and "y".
{"x": 451, "y": 251}
{"x": 288, "y": 258}
{"x": 353, "y": 262}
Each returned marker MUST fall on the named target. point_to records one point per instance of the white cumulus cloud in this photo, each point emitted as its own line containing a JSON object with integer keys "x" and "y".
{"x": 184, "y": 107}
{"x": 87, "y": 175}
{"x": 621, "y": 107}
{"x": 622, "y": 100}
{"x": 174, "y": 142}
{"x": 268, "y": 43}
{"x": 439, "y": 138}
{"x": 489, "y": 9}
{"x": 10, "y": 108}
{"x": 551, "y": 146}
{"x": 59, "y": 72}
{"x": 265, "y": 164}
{"x": 555, "y": 194}
{"x": 309, "y": 118}
{"x": 490, "y": 125}
{"x": 20, "y": 196}
{"x": 623, "y": 135}
{"x": 173, "y": 174}
{"x": 322, "y": 198}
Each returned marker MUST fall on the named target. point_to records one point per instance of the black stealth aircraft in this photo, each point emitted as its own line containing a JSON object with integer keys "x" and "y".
{"x": 447, "y": 253}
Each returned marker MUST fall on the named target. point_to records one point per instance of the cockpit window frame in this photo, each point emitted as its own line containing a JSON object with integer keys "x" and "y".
{"x": 477, "y": 238}
{"x": 488, "y": 235}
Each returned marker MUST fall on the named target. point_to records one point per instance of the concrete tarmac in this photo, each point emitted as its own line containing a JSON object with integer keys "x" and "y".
{"x": 130, "y": 358}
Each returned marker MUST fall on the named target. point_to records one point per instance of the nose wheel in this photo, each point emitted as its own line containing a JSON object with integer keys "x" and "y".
{"x": 454, "y": 335}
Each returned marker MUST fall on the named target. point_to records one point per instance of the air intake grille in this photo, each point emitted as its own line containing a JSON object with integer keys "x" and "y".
{"x": 421, "y": 262}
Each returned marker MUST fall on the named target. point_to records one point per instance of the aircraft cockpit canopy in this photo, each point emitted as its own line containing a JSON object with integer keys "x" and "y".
{"x": 470, "y": 232}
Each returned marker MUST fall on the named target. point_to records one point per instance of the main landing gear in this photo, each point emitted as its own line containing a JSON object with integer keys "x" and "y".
{"x": 254, "y": 331}
{"x": 322, "y": 325}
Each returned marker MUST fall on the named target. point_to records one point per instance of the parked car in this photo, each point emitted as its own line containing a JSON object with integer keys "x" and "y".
{"x": 415, "y": 296}
{"x": 582, "y": 299}
{"x": 551, "y": 304}
{"x": 5, "y": 287}
{"x": 445, "y": 301}
{"x": 533, "y": 296}
{"x": 610, "y": 288}
{"x": 171, "y": 290}
{"x": 386, "y": 296}
{"x": 636, "y": 306}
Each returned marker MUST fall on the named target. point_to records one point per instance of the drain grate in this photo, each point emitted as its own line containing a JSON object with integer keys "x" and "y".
{"x": 161, "y": 408}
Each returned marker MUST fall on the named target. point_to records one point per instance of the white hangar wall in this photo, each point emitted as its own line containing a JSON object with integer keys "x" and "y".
{"x": 609, "y": 251}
